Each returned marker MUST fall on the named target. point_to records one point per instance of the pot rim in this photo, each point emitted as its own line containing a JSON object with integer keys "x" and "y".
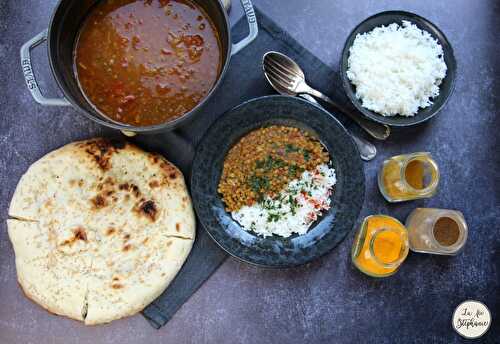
{"x": 166, "y": 126}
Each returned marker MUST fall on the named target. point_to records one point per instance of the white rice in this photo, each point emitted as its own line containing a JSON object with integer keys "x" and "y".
{"x": 296, "y": 207}
{"x": 396, "y": 69}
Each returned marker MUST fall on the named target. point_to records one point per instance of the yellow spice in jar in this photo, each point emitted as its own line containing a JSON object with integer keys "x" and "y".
{"x": 389, "y": 245}
{"x": 393, "y": 184}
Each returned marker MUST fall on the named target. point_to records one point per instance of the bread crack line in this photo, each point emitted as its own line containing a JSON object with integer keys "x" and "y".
{"x": 85, "y": 306}
{"x": 98, "y": 236}
{"x": 169, "y": 236}
{"x": 22, "y": 219}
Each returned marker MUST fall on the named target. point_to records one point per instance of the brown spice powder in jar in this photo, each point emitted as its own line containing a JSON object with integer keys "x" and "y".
{"x": 446, "y": 231}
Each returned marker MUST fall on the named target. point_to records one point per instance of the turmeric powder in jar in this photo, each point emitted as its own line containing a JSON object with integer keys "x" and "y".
{"x": 408, "y": 177}
{"x": 380, "y": 246}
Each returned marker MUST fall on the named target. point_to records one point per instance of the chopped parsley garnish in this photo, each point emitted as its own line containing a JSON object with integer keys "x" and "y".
{"x": 307, "y": 155}
{"x": 259, "y": 185}
{"x": 273, "y": 218}
{"x": 289, "y": 148}
{"x": 269, "y": 163}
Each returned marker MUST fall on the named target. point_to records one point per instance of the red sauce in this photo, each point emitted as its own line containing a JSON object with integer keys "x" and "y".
{"x": 146, "y": 62}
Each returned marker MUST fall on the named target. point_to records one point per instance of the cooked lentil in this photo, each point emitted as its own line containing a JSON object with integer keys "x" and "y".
{"x": 264, "y": 161}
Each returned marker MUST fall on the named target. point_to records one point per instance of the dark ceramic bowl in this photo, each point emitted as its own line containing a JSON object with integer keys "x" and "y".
{"x": 446, "y": 88}
{"x": 327, "y": 232}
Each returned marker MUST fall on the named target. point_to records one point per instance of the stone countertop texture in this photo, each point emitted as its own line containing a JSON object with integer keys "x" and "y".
{"x": 327, "y": 301}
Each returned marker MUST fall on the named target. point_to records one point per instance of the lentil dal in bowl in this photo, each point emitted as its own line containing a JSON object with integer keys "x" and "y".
{"x": 277, "y": 153}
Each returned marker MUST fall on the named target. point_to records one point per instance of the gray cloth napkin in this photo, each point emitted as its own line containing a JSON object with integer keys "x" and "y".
{"x": 244, "y": 80}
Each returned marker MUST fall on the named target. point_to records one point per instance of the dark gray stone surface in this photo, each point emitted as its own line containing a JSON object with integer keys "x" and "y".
{"x": 328, "y": 300}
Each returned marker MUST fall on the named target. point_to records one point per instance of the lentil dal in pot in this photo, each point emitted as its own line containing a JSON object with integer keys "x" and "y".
{"x": 161, "y": 92}
{"x": 145, "y": 62}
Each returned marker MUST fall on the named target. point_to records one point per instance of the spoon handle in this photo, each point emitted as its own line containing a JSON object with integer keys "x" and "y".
{"x": 376, "y": 130}
{"x": 367, "y": 151}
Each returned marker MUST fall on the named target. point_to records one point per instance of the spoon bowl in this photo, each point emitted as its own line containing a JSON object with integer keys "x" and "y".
{"x": 286, "y": 77}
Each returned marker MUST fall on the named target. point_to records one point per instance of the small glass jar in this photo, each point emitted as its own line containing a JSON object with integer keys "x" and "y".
{"x": 436, "y": 231}
{"x": 408, "y": 177}
{"x": 380, "y": 246}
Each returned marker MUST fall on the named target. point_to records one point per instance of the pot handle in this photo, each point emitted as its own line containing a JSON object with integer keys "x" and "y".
{"x": 29, "y": 76}
{"x": 252, "y": 25}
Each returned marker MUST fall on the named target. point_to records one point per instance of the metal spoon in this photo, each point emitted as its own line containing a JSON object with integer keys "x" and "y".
{"x": 367, "y": 151}
{"x": 227, "y": 5}
{"x": 282, "y": 71}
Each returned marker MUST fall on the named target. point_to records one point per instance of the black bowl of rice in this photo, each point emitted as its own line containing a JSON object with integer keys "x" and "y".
{"x": 398, "y": 68}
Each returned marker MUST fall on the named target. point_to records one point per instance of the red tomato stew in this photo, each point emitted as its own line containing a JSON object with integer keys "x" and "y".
{"x": 146, "y": 62}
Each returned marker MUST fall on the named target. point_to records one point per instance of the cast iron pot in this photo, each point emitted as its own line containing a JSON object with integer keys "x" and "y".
{"x": 62, "y": 32}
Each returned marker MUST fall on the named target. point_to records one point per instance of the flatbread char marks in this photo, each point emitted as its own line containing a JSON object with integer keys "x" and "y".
{"x": 79, "y": 234}
{"x": 102, "y": 150}
{"x": 122, "y": 269}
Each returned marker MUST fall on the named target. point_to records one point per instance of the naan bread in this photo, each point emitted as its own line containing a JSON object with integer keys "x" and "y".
{"x": 99, "y": 229}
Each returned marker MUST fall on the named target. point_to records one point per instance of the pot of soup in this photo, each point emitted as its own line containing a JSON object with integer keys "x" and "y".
{"x": 140, "y": 66}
